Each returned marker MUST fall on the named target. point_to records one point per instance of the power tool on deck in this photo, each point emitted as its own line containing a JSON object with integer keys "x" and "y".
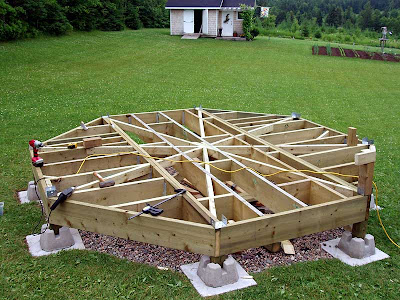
{"x": 37, "y": 161}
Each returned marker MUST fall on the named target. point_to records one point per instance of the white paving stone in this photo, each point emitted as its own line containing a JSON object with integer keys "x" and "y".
{"x": 35, "y": 249}
{"x": 332, "y": 249}
{"x": 205, "y": 291}
{"x": 23, "y": 197}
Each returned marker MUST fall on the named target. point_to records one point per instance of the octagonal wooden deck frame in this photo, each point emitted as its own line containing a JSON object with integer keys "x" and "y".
{"x": 302, "y": 203}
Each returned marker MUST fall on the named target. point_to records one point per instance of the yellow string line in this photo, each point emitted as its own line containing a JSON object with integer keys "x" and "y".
{"x": 248, "y": 168}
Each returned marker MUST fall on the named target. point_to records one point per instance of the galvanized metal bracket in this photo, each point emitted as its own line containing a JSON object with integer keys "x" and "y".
{"x": 220, "y": 224}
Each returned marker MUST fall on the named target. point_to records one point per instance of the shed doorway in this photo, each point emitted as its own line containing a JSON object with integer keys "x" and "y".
{"x": 198, "y": 20}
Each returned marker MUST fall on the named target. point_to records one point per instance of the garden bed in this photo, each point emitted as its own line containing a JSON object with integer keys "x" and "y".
{"x": 331, "y": 51}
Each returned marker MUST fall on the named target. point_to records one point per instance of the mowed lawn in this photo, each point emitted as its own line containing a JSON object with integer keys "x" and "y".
{"x": 48, "y": 85}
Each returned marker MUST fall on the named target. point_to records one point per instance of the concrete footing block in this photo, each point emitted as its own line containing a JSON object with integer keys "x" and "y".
{"x": 215, "y": 276}
{"x": 50, "y": 242}
{"x": 357, "y": 247}
{"x": 354, "y": 251}
{"x": 35, "y": 242}
{"x": 31, "y": 192}
{"x": 206, "y": 268}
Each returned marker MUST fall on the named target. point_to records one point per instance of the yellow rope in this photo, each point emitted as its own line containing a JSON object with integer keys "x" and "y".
{"x": 248, "y": 168}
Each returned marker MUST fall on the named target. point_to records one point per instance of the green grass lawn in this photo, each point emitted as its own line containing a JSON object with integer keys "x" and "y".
{"x": 48, "y": 85}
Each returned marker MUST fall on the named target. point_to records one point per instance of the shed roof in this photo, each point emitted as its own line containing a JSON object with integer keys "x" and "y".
{"x": 237, "y": 3}
{"x": 208, "y": 3}
{"x": 194, "y": 3}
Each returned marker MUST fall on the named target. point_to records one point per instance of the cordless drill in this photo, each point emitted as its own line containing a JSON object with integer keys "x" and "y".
{"x": 37, "y": 161}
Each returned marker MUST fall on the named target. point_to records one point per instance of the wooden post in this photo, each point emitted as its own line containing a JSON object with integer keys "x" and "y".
{"x": 366, "y": 161}
{"x": 352, "y": 137}
{"x": 55, "y": 228}
{"x": 275, "y": 247}
{"x": 218, "y": 260}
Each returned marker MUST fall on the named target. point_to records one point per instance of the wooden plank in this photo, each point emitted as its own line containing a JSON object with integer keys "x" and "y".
{"x": 264, "y": 191}
{"x": 292, "y": 136}
{"x": 91, "y": 164}
{"x": 111, "y": 139}
{"x": 284, "y": 156}
{"x": 63, "y": 182}
{"x": 265, "y": 168}
{"x": 168, "y": 177}
{"x": 300, "y": 189}
{"x": 333, "y": 157}
{"x": 320, "y": 193}
{"x": 287, "y": 225}
{"x": 121, "y": 193}
{"x": 210, "y": 187}
{"x": 80, "y": 138}
{"x": 216, "y": 180}
{"x": 352, "y": 136}
{"x": 120, "y": 177}
{"x": 337, "y": 139}
{"x": 346, "y": 169}
{"x": 273, "y": 127}
{"x": 312, "y": 148}
{"x": 172, "y": 233}
{"x": 366, "y": 156}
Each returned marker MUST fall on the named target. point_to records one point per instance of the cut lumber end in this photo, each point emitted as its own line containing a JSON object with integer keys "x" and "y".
{"x": 275, "y": 247}
{"x": 287, "y": 247}
{"x": 366, "y": 156}
{"x": 92, "y": 142}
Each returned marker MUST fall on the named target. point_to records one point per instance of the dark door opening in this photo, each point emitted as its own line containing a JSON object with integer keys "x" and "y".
{"x": 198, "y": 20}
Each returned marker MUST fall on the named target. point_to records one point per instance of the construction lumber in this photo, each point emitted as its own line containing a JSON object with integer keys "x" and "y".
{"x": 92, "y": 142}
{"x": 224, "y": 160}
{"x": 287, "y": 247}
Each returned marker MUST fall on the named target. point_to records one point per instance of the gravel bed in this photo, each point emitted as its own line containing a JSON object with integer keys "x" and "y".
{"x": 252, "y": 260}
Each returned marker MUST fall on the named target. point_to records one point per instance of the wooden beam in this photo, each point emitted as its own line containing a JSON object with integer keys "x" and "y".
{"x": 365, "y": 178}
{"x": 168, "y": 177}
{"x": 284, "y": 156}
{"x": 352, "y": 136}
{"x": 287, "y": 225}
{"x": 172, "y": 233}
{"x": 333, "y": 157}
{"x": 272, "y": 127}
{"x": 292, "y": 136}
{"x": 91, "y": 164}
{"x": 312, "y": 148}
{"x": 124, "y": 192}
{"x": 210, "y": 188}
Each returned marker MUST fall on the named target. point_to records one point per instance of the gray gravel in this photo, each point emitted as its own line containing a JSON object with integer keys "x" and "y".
{"x": 252, "y": 260}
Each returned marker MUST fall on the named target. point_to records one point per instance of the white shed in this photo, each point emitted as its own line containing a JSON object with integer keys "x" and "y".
{"x": 207, "y": 17}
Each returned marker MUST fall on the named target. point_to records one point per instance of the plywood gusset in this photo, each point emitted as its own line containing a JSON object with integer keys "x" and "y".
{"x": 199, "y": 150}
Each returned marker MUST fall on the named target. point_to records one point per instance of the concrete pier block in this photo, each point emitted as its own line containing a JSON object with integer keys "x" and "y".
{"x": 31, "y": 192}
{"x": 50, "y": 242}
{"x": 357, "y": 247}
{"x": 354, "y": 251}
{"x": 215, "y": 276}
{"x": 231, "y": 266}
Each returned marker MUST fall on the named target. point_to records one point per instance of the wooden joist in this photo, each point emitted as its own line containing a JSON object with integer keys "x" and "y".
{"x": 150, "y": 155}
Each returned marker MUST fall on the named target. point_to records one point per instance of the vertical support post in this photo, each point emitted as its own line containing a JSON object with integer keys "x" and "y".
{"x": 352, "y": 137}
{"x": 55, "y": 228}
{"x": 218, "y": 259}
{"x": 366, "y": 161}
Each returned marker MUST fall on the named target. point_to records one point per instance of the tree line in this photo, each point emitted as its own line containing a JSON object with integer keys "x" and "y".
{"x": 29, "y": 18}
{"x": 322, "y": 15}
